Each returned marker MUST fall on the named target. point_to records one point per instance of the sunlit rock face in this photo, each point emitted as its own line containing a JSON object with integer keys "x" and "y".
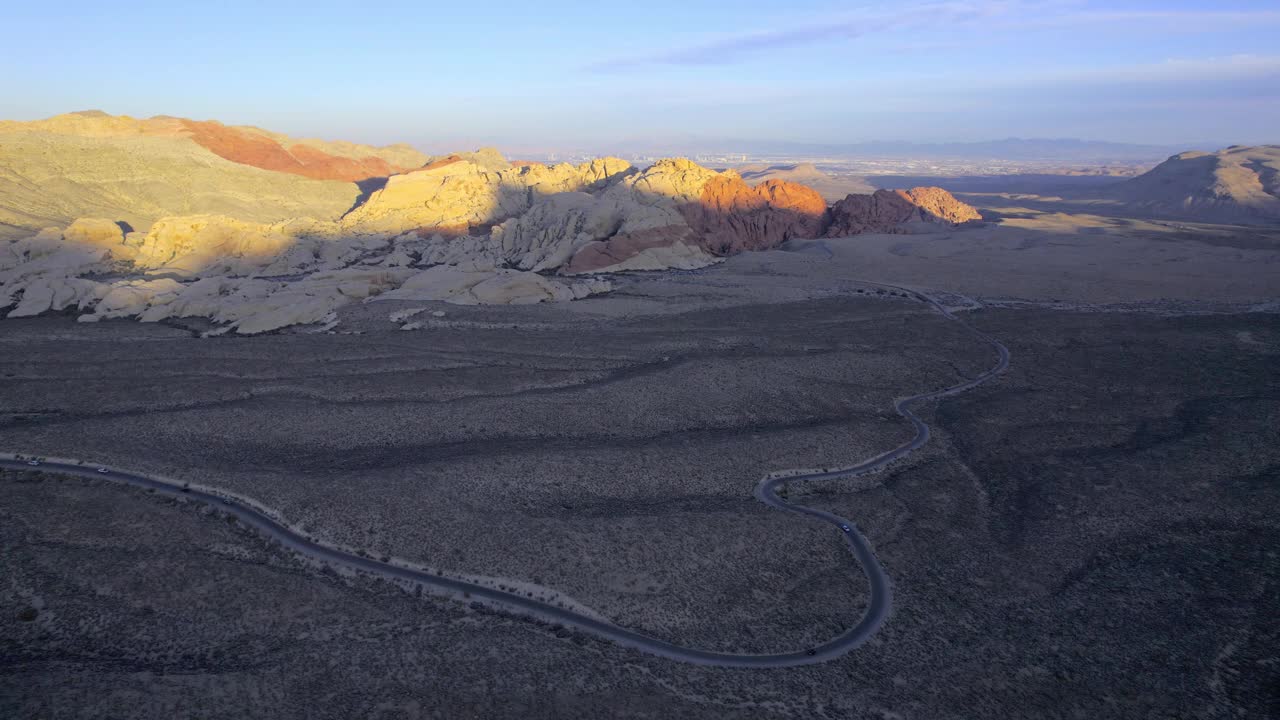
{"x": 451, "y": 198}
{"x": 468, "y": 228}
{"x": 732, "y": 217}
{"x": 684, "y": 215}
{"x": 313, "y": 159}
{"x": 897, "y": 211}
{"x": 202, "y": 244}
{"x": 938, "y": 205}
{"x": 245, "y": 145}
{"x": 460, "y": 195}
{"x": 52, "y": 178}
{"x": 641, "y": 219}
{"x": 94, "y": 232}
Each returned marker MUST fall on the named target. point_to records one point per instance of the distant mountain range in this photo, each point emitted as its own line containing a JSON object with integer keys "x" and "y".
{"x": 1024, "y": 149}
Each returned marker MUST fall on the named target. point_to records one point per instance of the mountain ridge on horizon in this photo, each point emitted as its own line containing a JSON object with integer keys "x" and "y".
{"x": 1010, "y": 148}
{"x": 1032, "y": 148}
{"x": 245, "y": 144}
{"x": 169, "y": 153}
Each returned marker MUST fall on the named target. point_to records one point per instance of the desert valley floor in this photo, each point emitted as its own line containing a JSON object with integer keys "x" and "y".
{"x": 1092, "y": 534}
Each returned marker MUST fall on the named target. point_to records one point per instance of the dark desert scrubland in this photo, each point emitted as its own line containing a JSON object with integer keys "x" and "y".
{"x": 428, "y": 445}
{"x": 1091, "y": 535}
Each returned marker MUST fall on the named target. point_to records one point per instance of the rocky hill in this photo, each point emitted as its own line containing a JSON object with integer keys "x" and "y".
{"x": 897, "y": 211}
{"x": 830, "y": 187}
{"x": 1235, "y": 185}
{"x": 247, "y": 145}
{"x": 92, "y": 164}
{"x": 254, "y": 249}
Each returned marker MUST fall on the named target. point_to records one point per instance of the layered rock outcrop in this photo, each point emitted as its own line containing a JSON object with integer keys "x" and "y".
{"x": 95, "y": 232}
{"x": 49, "y": 179}
{"x": 468, "y": 229}
{"x": 245, "y": 277}
{"x": 462, "y": 194}
{"x": 92, "y": 164}
{"x": 250, "y": 146}
{"x": 940, "y": 207}
{"x": 897, "y": 211}
{"x": 681, "y": 213}
{"x": 243, "y": 144}
{"x": 732, "y": 216}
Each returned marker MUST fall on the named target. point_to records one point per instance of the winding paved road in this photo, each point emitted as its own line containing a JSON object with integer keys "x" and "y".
{"x": 875, "y": 615}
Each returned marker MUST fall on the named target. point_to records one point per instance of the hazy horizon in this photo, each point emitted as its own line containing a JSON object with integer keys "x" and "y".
{"x": 548, "y": 78}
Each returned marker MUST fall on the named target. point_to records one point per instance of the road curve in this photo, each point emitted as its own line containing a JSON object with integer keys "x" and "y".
{"x": 877, "y": 609}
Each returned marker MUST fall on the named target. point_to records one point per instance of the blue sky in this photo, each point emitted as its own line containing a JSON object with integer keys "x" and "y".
{"x": 549, "y": 74}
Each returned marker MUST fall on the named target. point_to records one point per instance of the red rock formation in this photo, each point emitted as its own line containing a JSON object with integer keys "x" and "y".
{"x": 249, "y": 148}
{"x": 729, "y": 217}
{"x": 940, "y": 205}
{"x": 322, "y": 166}
{"x": 890, "y": 211}
{"x": 619, "y": 248}
{"x": 732, "y": 216}
{"x": 441, "y": 162}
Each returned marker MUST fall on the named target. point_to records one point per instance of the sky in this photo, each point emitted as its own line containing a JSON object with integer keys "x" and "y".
{"x": 553, "y": 75}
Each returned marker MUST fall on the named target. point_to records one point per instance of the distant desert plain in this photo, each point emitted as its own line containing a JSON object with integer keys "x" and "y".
{"x": 568, "y": 383}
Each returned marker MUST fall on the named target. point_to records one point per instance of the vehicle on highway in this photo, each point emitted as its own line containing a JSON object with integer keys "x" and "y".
{"x": 33, "y": 462}
{"x": 102, "y": 470}
{"x": 845, "y": 528}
